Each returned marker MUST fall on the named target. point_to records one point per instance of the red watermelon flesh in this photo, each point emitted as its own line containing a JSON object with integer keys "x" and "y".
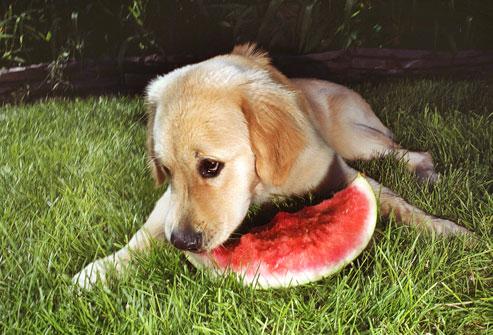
{"x": 295, "y": 248}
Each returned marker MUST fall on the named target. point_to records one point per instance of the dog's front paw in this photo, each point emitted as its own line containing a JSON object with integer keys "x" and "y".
{"x": 91, "y": 273}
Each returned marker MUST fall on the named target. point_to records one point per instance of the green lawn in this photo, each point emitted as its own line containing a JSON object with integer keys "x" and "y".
{"x": 74, "y": 186}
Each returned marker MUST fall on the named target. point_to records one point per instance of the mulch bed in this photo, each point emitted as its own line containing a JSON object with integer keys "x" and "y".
{"x": 131, "y": 75}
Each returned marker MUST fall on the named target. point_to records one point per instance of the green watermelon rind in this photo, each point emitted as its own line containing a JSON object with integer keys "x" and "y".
{"x": 289, "y": 279}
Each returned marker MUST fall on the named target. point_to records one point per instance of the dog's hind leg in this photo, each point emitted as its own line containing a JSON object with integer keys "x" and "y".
{"x": 369, "y": 143}
{"x": 392, "y": 204}
{"x": 347, "y": 123}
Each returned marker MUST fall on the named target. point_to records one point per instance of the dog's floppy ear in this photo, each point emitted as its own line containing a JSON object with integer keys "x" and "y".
{"x": 154, "y": 164}
{"x": 274, "y": 124}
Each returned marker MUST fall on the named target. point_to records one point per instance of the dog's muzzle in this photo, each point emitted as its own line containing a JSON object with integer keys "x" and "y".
{"x": 186, "y": 239}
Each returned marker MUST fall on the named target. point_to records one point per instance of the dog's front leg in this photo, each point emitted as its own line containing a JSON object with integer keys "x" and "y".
{"x": 152, "y": 229}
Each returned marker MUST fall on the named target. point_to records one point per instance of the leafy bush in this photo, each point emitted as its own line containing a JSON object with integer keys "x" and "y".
{"x": 45, "y": 30}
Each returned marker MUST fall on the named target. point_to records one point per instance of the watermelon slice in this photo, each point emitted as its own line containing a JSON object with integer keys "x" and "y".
{"x": 301, "y": 247}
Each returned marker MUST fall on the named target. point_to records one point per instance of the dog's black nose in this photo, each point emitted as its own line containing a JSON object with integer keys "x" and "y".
{"x": 186, "y": 239}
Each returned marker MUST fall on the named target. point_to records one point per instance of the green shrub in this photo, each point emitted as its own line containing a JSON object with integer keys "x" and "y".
{"x": 44, "y": 30}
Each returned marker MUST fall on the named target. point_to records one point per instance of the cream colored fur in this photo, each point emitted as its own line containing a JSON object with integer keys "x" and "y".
{"x": 275, "y": 136}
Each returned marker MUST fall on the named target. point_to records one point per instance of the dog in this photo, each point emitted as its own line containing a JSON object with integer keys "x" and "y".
{"x": 233, "y": 131}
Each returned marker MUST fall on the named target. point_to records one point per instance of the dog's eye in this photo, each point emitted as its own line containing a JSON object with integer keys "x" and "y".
{"x": 209, "y": 168}
{"x": 166, "y": 171}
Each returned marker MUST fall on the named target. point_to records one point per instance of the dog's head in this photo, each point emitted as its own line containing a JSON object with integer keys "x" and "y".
{"x": 222, "y": 133}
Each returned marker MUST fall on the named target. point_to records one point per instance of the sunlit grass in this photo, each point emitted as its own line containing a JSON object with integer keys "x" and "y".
{"x": 74, "y": 186}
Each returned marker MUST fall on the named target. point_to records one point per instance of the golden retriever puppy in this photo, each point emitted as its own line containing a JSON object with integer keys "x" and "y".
{"x": 232, "y": 131}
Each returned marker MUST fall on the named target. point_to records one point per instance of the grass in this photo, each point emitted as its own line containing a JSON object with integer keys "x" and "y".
{"x": 74, "y": 186}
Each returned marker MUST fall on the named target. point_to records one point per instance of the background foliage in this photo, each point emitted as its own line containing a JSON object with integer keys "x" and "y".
{"x": 55, "y": 30}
